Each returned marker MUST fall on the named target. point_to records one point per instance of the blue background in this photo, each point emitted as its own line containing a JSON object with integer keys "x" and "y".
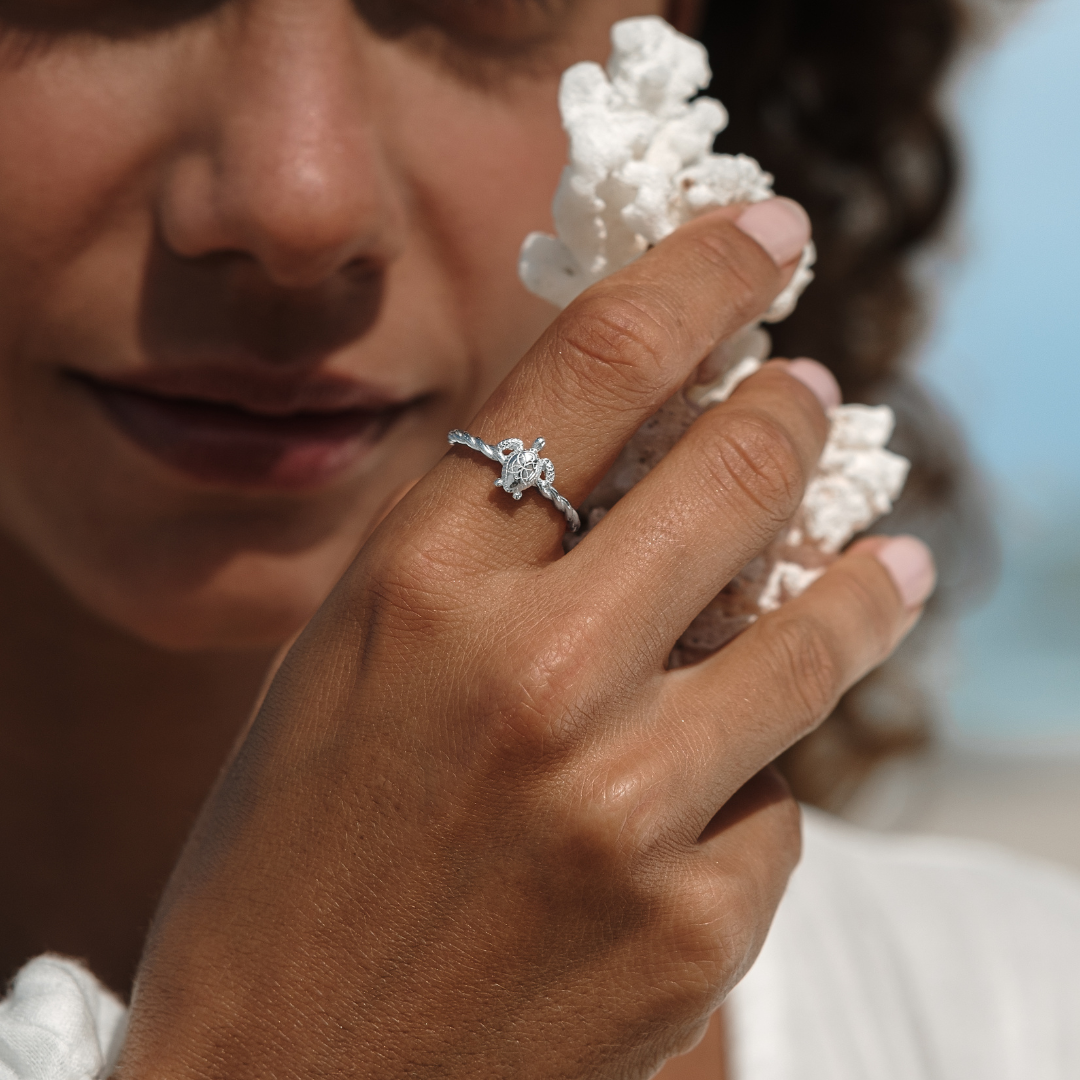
{"x": 1005, "y": 355}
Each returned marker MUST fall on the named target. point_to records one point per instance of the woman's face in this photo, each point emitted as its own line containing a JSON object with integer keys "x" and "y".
{"x": 257, "y": 257}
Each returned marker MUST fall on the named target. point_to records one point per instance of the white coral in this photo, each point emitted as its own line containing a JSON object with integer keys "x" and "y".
{"x": 786, "y": 580}
{"x": 641, "y": 163}
{"x": 857, "y": 479}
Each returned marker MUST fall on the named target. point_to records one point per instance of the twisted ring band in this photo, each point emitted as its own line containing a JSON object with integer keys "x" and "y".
{"x": 521, "y": 469}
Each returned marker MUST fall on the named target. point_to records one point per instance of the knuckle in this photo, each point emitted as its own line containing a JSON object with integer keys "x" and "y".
{"x": 752, "y": 454}
{"x": 611, "y": 344}
{"x": 617, "y": 817}
{"x": 548, "y": 686}
{"x": 746, "y": 283}
{"x": 597, "y": 846}
{"x": 427, "y": 565}
{"x": 809, "y": 666}
{"x": 725, "y": 908}
{"x": 537, "y": 691}
{"x": 428, "y": 582}
{"x": 716, "y": 930}
{"x": 415, "y": 582}
{"x": 594, "y": 840}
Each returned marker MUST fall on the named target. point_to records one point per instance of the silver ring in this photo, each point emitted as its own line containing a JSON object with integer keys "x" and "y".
{"x": 521, "y": 469}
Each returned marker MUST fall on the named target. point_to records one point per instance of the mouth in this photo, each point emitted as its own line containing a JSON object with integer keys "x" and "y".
{"x": 259, "y": 444}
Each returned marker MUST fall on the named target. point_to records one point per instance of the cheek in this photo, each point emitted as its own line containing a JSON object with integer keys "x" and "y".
{"x": 483, "y": 165}
{"x": 78, "y": 139}
{"x": 75, "y": 132}
{"x": 483, "y": 168}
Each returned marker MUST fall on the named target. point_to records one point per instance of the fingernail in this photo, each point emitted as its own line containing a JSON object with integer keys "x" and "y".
{"x": 780, "y": 226}
{"x": 911, "y": 566}
{"x": 819, "y": 379}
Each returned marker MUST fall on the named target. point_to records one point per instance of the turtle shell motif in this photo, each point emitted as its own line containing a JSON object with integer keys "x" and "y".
{"x": 523, "y": 469}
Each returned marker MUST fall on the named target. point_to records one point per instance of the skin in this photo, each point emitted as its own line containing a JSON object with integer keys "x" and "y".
{"x": 295, "y": 194}
{"x": 158, "y": 603}
{"x": 580, "y": 839}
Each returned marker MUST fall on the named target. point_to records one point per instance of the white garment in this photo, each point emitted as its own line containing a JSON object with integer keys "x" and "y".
{"x": 59, "y": 1023}
{"x": 891, "y": 958}
{"x": 913, "y": 958}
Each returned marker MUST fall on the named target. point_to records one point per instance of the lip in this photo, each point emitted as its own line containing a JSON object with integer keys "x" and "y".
{"x": 227, "y": 429}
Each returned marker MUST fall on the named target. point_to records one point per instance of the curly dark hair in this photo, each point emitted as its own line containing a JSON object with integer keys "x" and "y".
{"x": 838, "y": 99}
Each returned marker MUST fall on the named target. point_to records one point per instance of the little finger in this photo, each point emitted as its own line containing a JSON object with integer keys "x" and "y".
{"x": 746, "y": 705}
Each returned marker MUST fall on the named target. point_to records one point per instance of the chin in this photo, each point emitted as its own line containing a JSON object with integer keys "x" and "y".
{"x": 247, "y": 607}
{"x": 225, "y": 626}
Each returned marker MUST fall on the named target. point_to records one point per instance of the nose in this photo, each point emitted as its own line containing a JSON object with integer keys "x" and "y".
{"x": 285, "y": 163}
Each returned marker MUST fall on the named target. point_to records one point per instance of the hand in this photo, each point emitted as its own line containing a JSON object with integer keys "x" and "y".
{"x": 476, "y": 828}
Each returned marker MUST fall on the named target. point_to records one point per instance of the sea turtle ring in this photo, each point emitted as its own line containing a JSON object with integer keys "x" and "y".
{"x": 521, "y": 469}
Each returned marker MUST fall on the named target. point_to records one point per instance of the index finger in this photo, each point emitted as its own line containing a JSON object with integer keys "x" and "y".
{"x": 618, "y": 353}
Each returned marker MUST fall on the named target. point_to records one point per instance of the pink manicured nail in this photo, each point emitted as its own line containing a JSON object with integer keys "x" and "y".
{"x": 911, "y": 566}
{"x": 780, "y": 226}
{"x": 819, "y": 379}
